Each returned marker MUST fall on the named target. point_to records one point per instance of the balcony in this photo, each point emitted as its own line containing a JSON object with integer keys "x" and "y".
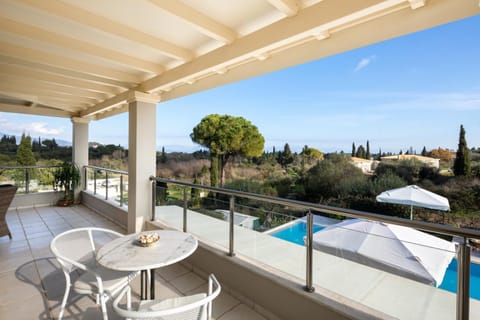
{"x": 85, "y": 62}
{"x": 256, "y": 269}
{"x": 33, "y": 284}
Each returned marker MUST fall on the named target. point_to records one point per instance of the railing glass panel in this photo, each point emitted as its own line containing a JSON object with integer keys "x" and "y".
{"x": 385, "y": 275}
{"x": 29, "y": 179}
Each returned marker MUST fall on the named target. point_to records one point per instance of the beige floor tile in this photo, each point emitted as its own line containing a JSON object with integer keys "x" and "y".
{"x": 187, "y": 282}
{"x": 19, "y": 284}
{"x": 241, "y": 312}
{"x": 14, "y": 258}
{"x": 172, "y": 271}
{"x": 221, "y": 305}
{"x": 33, "y": 307}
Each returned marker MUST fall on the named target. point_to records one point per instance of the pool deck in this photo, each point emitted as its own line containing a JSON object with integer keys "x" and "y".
{"x": 332, "y": 276}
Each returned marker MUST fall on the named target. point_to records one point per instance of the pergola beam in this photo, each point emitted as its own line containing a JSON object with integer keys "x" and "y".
{"x": 288, "y": 7}
{"x": 52, "y": 73}
{"x": 45, "y": 93}
{"x": 122, "y": 98}
{"x": 104, "y": 24}
{"x": 305, "y": 25}
{"x": 57, "y": 39}
{"x": 204, "y": 24}
{"x": 58, "y": 88}
{"x": 38, "y": 110}
{"x": 65, "y": 63}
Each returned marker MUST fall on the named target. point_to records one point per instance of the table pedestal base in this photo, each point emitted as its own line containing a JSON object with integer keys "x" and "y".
{"x": 144, "y": 284}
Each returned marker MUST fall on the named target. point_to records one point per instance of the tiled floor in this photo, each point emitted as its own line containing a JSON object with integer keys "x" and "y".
{"x": 32, "y": 284}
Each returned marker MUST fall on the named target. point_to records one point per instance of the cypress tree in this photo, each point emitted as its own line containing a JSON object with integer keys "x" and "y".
{"x": 163, "y": 156}
{"x": 354, "y": 150}
{"x": 424, "y": 151}
{"x": 461, "y": 166}
{"x": 360, "y": 152}
{"x": 367, "y": 154}
{"x": 25, "y": 155}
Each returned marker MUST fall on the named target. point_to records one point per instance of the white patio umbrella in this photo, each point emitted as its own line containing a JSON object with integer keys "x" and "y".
{"x": 399, "y": 250}
{"x": 414, "y": 196}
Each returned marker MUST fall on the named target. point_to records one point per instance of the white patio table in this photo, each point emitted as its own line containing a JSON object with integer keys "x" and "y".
{"x": 126, "y": 254}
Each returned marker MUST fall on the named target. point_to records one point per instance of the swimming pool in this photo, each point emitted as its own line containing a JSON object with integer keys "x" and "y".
{"x": 449, "y": 282}
{"x": 295, "y": 233}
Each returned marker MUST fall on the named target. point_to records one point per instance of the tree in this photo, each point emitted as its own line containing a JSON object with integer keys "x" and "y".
{"x": 360, "y": 152}
{"x": 367, "y": 154}
{"x": 227, "y": 136}
{"x": 163, "y": 156}
{"x": 424, "y": 151}
{"x": 285, "y": 157}
{"x": 442, "y": 154}
{"x": 461, "y": 166}
{"x": 25, "y": 155}
{"x": 354, "y": 150}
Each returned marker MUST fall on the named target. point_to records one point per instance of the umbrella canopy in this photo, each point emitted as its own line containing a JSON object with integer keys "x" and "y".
{"x": 399, "y": 250}
{"x": 414, "y": 196}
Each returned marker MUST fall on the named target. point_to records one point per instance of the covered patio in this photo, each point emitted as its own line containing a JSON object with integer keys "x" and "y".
{"x": 89, "y": 60}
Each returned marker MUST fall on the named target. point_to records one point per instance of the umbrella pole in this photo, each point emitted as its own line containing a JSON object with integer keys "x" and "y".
{"x": 411, "y": 212}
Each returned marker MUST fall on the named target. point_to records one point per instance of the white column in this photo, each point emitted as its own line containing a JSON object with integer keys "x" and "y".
{"x": 80, "y": 150}
{"x": 142, "y": 147}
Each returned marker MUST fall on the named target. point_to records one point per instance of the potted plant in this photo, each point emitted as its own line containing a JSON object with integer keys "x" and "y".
{"x": 67, "y": 177}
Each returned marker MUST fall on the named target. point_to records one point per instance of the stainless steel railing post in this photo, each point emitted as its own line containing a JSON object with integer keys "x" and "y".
{"x": 106, "y": 185}
{"x": 85, "y": 178}
{"x": 185, "y": 207}
{"x": 309, "y": 247}
{"x": 27, "y": 180}
{"x": 231, "y": 251}
{"x": 463, "y": 280}
{"x": 95, "y": 181}
{"x": 154, "y": 196}
{"x": 121, "y": 190}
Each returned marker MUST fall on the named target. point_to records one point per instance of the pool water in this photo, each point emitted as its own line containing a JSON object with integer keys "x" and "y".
{"x": 449, "y": 282}
{"x": 296, "y": 232}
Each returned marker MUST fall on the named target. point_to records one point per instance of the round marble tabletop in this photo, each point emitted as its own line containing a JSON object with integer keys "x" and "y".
{"x": 125, "y": 253}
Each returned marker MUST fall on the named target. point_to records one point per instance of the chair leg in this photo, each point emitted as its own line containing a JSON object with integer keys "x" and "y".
{"x": 65, "y": 296}
{"x": 129, "y": 298}
{"x": 104, "y": 306}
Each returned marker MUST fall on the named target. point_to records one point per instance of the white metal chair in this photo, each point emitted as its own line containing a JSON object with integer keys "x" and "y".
{"x": 193, "y": 307}
{"x": 76, "y": 249}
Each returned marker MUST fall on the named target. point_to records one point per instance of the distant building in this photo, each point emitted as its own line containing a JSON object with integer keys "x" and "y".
{"x": 366, "y": 165}
{"x": 431, "y": 162}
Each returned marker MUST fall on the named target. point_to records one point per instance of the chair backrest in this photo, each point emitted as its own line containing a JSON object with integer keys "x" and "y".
{"x": 194, "y": 307}
{"x": 77, "y": 248}
{"x": 7, "y": 193}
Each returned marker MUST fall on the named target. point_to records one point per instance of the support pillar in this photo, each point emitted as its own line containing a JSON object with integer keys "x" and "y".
{"x": 141, "y": 160}
{"x": 80, "y": 150}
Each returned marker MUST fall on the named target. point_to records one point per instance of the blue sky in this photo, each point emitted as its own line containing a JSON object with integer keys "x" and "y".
{"x": 412, "y": 91}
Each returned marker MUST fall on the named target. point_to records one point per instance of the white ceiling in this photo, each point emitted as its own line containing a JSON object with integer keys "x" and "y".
{"x": 87, "y": 58}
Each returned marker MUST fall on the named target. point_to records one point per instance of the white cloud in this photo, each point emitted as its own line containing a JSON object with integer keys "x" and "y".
{"x": 364, "y": 63}
{"x": 33, "y": 128}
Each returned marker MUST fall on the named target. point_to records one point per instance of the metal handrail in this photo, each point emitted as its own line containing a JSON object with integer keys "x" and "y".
{"x": 422, "y": 225}
{"x": 107, "y": 169}
{"x": 30, "y": 167}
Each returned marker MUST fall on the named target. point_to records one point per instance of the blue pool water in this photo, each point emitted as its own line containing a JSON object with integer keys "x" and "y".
{"x": 449, "y": 282}
{"x": 297, "y": 231}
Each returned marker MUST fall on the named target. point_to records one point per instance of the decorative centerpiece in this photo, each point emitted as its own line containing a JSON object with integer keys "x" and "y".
{"x": 148, "y": 239}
